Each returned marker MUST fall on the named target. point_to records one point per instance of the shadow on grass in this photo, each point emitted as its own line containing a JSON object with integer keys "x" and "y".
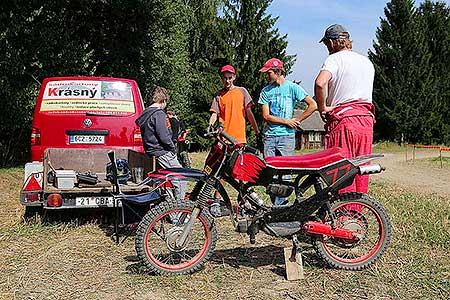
{"x": 74, "y": 217}
{"x": 103, "y": 217}
{"x": 256, "y": 257}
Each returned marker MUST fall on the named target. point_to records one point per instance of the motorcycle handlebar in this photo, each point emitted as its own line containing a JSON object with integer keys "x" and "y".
{"x": 228, "y": 137}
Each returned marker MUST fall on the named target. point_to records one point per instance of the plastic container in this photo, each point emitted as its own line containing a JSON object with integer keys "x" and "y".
{"x": 65, "y": 179}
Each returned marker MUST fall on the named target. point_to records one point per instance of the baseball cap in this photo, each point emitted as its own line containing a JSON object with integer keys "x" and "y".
{"x": 227, "y": 68}
{"x": 334, "y": 32}
{"x": 273, "y": 63}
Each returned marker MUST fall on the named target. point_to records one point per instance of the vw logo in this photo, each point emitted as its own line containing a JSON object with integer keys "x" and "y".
{"x": 87, "y": 123}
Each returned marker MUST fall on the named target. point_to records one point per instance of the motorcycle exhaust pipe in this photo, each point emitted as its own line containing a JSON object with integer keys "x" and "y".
{"x": 325, "y": 229}
{"x": 371, "y": 169}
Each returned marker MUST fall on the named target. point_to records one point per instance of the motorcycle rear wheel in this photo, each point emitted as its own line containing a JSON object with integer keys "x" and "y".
{"x": 366, "y": 216}
{"x": 160, "y": 228}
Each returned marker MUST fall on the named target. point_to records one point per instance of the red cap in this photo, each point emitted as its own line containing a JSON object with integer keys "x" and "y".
{"x": 227, "y": 68}
{"x": 273, "y": 63}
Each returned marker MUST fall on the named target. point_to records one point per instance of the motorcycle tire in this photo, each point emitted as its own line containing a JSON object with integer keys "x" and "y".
{"x": 184, "y": 160}
{"x": 365, "y": 215}
{"x": 159, "y": 229}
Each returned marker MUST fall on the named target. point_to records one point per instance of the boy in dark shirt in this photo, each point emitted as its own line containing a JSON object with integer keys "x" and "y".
{"x": 157, "y": 138}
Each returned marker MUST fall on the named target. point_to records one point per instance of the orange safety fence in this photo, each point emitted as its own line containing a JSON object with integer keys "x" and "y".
{"x": 414, "y": 146}
{"x": 426, "y": 146}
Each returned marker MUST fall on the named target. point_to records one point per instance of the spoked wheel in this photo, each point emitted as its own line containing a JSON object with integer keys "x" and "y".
{"x": 371, "y": 225}
{"x": 158, "y": 233}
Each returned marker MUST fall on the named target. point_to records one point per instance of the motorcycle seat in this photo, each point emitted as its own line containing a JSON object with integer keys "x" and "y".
{"x": 315, "y": 160}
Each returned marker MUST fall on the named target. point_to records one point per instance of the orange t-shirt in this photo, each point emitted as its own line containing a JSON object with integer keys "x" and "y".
{"x": 230, "y": 106}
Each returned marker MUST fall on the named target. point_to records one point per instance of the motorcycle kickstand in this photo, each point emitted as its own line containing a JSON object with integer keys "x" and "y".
{"x": 293, "y": 260}
{"x": 296, "y": 248}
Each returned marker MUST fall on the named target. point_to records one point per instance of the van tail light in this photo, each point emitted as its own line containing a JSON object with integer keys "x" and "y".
{"x": 54, "y": 200}
{"x": 137, "y": 137}
{"x": 35, "y": 136}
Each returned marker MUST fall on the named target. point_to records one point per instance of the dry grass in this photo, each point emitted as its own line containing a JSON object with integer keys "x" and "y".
{"x": 64, "y": 261}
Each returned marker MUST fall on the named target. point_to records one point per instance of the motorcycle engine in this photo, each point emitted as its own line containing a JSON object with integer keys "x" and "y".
{"x": 279, "y": 190}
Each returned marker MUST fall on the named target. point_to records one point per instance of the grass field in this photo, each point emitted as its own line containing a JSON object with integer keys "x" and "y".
{"x": 67, "y": 260}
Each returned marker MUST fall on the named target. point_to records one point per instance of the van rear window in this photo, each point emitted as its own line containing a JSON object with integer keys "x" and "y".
{"x": 81, "y": 96}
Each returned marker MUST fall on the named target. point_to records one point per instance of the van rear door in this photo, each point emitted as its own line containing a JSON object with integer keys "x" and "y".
{"x": 86, "y": 112}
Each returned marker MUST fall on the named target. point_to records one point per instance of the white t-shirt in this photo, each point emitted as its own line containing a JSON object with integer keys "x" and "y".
{"x": 351, "y": 77}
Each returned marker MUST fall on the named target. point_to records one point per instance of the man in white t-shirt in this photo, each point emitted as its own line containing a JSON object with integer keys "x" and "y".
{"x": 343, "y": 91}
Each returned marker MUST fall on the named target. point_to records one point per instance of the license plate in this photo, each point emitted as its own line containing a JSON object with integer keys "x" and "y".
{"x": 95, "y": 201}
{"x": 87, "y": 139}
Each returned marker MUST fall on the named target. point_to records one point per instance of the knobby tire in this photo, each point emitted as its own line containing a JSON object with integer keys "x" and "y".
{"x": 150, "y": 237}
{"x": 345, "y": 210}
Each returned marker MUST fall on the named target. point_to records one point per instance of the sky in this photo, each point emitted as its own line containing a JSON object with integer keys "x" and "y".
{"x": 304, "y": 22}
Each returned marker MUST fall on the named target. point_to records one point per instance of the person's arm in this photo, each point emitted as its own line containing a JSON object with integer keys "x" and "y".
{"x": 162, "y": 132}
{"x": 293, "y": 123}
{"x": 248, "y": 103}
{"x": 251, "y": 119}
{"x": 312, "y": 106}
{"x": 320, "y": 91}
{"x": 214, "y": 109}
{"x": 213, "y": 118}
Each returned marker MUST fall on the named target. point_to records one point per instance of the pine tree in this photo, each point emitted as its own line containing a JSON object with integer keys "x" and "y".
{"x": 204, "y": 45}
{"x": 435, "y": 18}
{"x": 166, "y": 53}
{"x": 403, "y": 77}
{"x": 252, "y": 38}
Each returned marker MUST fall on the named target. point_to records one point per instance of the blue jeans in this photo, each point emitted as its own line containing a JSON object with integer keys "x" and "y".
{"x": 169, "y": 160}
{"x": 279, "y": 146}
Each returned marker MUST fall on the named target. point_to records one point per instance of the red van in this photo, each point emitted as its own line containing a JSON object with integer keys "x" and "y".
{"x": 86, "y": 112}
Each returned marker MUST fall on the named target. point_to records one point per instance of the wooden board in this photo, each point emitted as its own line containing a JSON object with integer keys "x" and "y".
{"x": 294, "y": 266}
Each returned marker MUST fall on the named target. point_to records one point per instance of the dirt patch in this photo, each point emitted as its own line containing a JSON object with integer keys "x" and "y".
{"x": 417, "y": 175}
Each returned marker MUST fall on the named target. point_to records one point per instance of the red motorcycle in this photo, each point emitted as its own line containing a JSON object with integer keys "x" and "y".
{"x": 348, "y": 231}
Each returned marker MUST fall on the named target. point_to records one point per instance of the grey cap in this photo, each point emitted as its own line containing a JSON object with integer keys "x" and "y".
{"x": 334, "y": 32}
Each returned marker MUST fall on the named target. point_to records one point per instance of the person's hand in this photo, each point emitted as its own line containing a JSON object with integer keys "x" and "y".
{"x": 324, "y": 114}
{"x": 293, "y": 123}
{"x": 209, "y": 130}
{"x": 260, "y": 142}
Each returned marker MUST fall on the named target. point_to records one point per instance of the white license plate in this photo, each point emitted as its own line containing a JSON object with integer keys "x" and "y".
{"x": 95, "y": 201}
{"x": 87, "y": 139}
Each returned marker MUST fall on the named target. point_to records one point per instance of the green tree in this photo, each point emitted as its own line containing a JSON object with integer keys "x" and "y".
{"x": 252, "y": 38}
{"x": 204, "y": 48}
{"x": 403, "y": 80}
{"x": 166, "y": 52}
{"x": 435, "y": 17}
{"x": 37, "y": 39}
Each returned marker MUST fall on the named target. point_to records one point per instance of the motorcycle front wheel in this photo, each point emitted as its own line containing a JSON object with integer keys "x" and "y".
{"x": 369, "y": 220}
{"x": 159, "y": 230}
